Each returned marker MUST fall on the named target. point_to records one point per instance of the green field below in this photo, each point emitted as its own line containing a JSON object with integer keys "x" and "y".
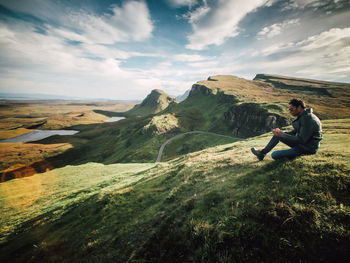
{"x": 215, "y": 205}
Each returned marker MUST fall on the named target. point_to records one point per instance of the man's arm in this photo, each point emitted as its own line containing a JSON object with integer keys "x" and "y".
{"x": 293, "y": 132}
{"x": 305, "y": 132}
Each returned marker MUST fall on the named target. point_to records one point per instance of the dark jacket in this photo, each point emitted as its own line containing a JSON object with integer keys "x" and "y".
{"x": 307, "y": 132}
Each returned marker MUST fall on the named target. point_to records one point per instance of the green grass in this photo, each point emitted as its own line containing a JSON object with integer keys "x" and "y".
{"x": 191, "y": 143}
{"x": 55, "y": 191}
{"x": 215, "y": 205}
{"x": 201, "y": 112}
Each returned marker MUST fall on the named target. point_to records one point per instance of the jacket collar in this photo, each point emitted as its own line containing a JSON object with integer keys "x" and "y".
{"x": 307, "y": 111}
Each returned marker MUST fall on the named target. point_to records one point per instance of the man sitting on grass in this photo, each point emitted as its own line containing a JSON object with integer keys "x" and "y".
{"x": 304, "y": 139}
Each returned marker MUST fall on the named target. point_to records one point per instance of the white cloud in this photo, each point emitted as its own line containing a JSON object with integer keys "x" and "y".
{"x": 76, "y": 56}
{"x": 302, "y": 4}
{"x": 334, "y": 38}
{"x": 38, "y": 63}
{"x": 204, "y": 65}
{"x": 314, "y": 4}
{"x": 323, "y": 56}
{"x": 270, "y": 2}
{"x": 190, "y": 58}
{"x": 181, "y": 3}
{"x": 276, "y": 29}
{"x": 195, "y": 16}
{"x": 213, "y": 25}
{"x": 129, "y": 22}
{"x": 46, "y": 63}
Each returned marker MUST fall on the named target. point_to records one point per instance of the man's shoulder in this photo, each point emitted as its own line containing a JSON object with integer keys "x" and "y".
{"x": 312, "y": 118}
{"x": 309, "y": 118}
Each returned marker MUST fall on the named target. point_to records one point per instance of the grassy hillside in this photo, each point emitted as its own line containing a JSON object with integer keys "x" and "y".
{"x": 192, "y": 143}
{"x": 155, "y": 102}
{"x": 201, "y": 112}
{"x": 244, "y": 108}
{"x": 329, "y": 99}
{"x": 216, "y": 205}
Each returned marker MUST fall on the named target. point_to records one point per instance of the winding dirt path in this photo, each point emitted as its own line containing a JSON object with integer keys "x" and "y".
{"x": 181, "y": 134}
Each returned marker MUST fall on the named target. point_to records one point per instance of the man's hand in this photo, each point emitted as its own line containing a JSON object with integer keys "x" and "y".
{"x": 278, "y": 132}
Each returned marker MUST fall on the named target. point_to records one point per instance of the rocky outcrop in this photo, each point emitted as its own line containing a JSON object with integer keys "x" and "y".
{"x": 211, "y": 79}
{"x": 225, "y": 98}
{"x": 198, "y": 89}
{"x": 161, "y": 124}
{"x": 250, "y": 119}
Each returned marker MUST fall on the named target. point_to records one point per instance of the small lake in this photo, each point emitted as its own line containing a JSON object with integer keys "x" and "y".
{"x": 114, "y": 119}
{"x": 39, "y": 135}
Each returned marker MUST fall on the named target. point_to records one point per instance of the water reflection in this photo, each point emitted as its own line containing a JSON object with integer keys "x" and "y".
{"x": 38, "y": 135}
{"x": 114, "y": 119}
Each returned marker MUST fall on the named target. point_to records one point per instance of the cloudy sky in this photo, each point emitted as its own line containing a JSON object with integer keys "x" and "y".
{"x": 124, "y": 49}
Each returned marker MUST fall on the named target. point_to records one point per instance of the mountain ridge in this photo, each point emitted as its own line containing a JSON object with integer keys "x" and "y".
{"x": 155, "y": 102}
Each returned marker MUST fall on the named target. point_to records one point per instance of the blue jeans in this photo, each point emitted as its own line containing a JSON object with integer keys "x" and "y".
{"x": 291, "y": 153}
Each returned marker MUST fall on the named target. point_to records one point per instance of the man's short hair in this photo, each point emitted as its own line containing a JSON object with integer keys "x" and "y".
{"x": 297, "y": 102}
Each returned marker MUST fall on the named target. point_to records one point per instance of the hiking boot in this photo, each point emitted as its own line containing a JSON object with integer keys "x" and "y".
{"x": 258, "y": 154}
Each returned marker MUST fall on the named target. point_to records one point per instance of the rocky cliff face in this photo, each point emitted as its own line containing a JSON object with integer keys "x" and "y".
{"x": 198, "y": 89}
{"x": 244, "y": 119}
{"x": 249, "y": 119}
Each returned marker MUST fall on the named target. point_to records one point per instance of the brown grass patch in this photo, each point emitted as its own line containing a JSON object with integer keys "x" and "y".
{"x": 7, "y": 134}
{"x": 14, "y": 154}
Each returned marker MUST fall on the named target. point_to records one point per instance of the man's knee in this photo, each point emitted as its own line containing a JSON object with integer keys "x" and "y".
{"x": 275, "y": 155}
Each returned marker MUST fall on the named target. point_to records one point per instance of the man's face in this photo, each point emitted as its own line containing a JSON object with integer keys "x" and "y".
{"x": 295, "y": 111}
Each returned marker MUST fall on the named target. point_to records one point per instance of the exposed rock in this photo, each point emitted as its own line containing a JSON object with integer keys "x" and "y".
{"x": 249, "y": 119}
{"x": 225, "y": 98}
{"x": 211, "y": 79}
{"x": 161, "y": 124}
{"x": 198, "y": 89}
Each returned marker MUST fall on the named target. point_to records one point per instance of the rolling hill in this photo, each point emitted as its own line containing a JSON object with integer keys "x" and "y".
{"x": 215, "y": 205}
